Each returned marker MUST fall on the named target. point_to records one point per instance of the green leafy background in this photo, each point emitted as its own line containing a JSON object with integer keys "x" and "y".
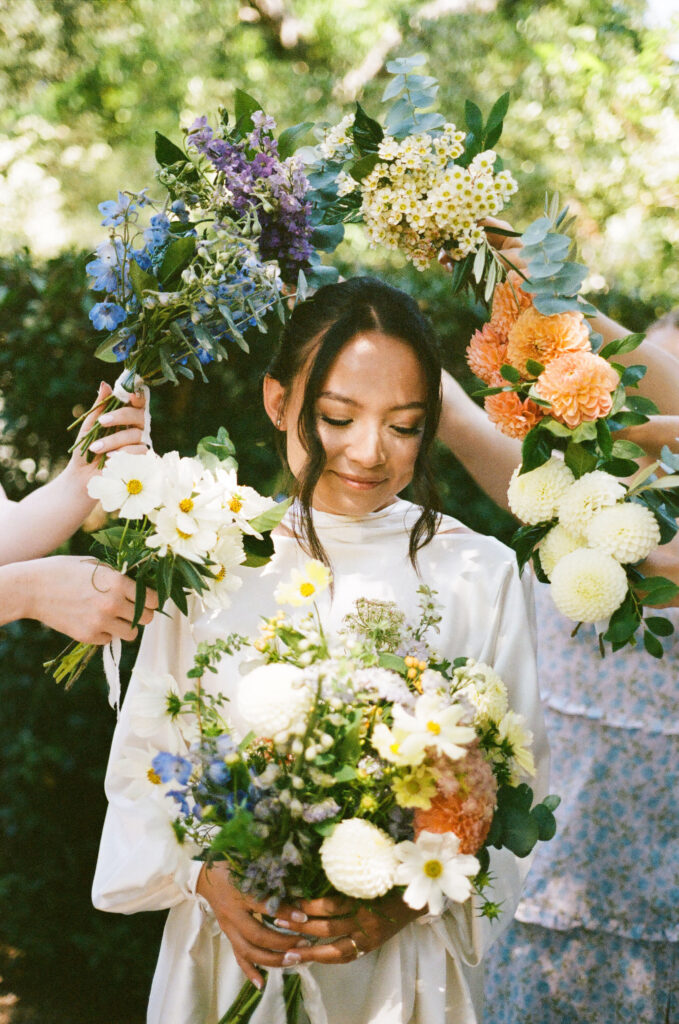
{"x": 85, "y": 85}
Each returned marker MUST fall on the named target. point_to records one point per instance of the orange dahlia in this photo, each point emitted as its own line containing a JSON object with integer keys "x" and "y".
{"x": 509, "y": 300}
{"x": 486, "y": 354}
{"x": 579, "y": 386}
{"x": 465, "y": 802}
{"x": 543, "y": 338}
{"x": 511, "y": 415}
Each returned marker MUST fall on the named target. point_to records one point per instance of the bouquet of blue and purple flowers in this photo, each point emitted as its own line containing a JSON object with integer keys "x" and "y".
{"x": 186, "y": 276}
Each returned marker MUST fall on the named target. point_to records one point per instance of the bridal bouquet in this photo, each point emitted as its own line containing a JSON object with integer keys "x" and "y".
{"x": 363, "y": 765}
{"x": 184, "y": 277}
{"x": 183, "y": 527}
{"x": 418, "y": 182}
{"x": 585, "y": 529}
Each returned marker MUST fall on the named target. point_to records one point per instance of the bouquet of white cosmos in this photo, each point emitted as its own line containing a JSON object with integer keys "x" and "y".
{"x": 183, "y": 527}
{"x": 369, "y": 765}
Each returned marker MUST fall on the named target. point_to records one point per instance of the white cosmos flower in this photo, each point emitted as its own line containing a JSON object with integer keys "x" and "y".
{"x": 129, "y": 483}
{"x": 190, "y": 493}
{"x": 184, "y": 536}
{"x": 359, "y": 859}
{"x": 303, "y": 586}
{"x": 388, "y": 744}
{"x": 273, "y": 698}
{"x": 588, "y": 585}
{"x": 228, "y": 554}
{"x": 243, "y": 503}
{"x": 432, "y": 868}
{"x": 434, "y": 724}
{"x": 534, "y": 496}
{"x": 138, "y": 779}
{"x": 149, "y": 707}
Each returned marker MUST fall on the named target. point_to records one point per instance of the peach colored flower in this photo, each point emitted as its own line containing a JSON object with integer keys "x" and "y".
{"x": 579, "y": 386}
{"x": 511, "y": 415}
{"x": 486, "y": 354}
{"x": 509, "y": 300}
{"x": 465, "y": 802}
{"x": 543, "y": 338}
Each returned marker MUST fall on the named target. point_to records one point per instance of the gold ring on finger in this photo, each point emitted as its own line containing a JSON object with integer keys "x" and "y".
{"x": 358, "y": 952}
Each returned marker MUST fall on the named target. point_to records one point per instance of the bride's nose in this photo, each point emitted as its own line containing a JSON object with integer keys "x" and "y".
{"x": 366, "y": 446}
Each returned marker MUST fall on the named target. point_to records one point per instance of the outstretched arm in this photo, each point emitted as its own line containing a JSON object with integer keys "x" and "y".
{"x": 49, "y": 515}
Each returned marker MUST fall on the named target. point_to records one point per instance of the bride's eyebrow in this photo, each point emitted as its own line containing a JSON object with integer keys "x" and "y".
{"x": 350, "y": 401}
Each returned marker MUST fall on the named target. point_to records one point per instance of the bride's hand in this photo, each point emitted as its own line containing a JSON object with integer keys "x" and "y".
{"x": 347, "y": 928}
{"x": 127, "y": 437}
{"x": 239, "y": 917}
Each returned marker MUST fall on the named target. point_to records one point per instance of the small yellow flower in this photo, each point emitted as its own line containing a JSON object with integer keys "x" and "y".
{"x": 303, "y": 586}
{"x": 416, "y": 788}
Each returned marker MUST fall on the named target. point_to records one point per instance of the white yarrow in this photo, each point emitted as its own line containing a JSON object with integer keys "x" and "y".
{"x": 588, "y": 585}
{"x": 359, "y": 859}
{"x": 534, "y": 496}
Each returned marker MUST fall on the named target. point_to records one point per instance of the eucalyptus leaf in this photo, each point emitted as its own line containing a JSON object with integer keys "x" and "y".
{"x": 402, "y": 65}
{"x": 394, "y": 88}
{"x": 536, "y": 231}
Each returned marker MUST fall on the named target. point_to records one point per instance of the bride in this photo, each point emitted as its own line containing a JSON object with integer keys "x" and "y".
{"x": 355, "y": 396}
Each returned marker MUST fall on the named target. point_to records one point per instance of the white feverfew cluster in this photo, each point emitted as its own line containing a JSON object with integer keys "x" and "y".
{"x": 417, "y": 200}
{"x": 337, "y": 139}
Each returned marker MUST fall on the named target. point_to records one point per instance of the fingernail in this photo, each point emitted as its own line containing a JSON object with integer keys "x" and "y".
{"x": 105, "y": 419}
{"x": 299, "y": 916}
{"x": 257, "y": 983}
{"x": 96, "y": 446}
{"x": 280, "y": 923}
{"x": 291, "y": 958}
{"x": 302, "y": 944}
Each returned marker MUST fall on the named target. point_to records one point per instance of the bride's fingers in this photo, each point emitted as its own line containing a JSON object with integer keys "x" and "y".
{"x": 344, "y": 951}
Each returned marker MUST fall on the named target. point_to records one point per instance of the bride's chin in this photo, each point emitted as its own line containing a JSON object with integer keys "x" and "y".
{"x": 343, "y": 502}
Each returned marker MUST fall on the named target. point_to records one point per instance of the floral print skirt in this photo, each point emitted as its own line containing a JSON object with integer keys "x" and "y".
{"x": 536, "y": 975}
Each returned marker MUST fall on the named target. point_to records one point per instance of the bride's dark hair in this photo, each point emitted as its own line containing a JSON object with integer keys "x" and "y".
{"x": 323, "y": 325}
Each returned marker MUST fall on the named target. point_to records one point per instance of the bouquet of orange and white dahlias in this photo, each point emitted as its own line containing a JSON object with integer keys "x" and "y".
{"x": 548, "y": 385}
{"x": 364, "y": 764}
{"x": 184, "y": 526}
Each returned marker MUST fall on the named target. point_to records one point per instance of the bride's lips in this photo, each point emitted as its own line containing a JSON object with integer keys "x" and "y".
{"x": 359, "y": 483}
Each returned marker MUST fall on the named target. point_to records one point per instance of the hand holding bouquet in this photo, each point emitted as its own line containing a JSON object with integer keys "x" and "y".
{"x": 184, "y": 525}
{"x": 362, "y": 766}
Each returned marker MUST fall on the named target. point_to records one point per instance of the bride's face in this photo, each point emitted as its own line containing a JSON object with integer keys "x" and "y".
{"x": 369, "y": 416}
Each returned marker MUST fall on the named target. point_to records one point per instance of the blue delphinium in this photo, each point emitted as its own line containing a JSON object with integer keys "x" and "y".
{"x": 106, "y": 316}
{"x": 171, "y": 768}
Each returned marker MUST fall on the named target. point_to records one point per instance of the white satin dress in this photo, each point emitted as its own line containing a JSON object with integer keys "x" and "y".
{"x": 429, "y": 972}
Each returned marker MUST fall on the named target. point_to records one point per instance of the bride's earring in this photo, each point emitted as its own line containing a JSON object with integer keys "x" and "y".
{"x": 278, "y": 421}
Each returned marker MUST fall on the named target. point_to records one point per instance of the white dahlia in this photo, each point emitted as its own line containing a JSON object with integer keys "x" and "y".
{"x": 273, "y": 698}
{"x": 534, "y": 497}
{"x": 558, "y": 543}
{"x": 588, "y": 585}
{"x": 586, "y": 497}
{"x": 628, "y": 531}
{"x": 359, "y": 859}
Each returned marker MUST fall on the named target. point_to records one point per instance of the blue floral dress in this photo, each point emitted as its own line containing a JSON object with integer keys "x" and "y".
{"x": 596, "y": 935}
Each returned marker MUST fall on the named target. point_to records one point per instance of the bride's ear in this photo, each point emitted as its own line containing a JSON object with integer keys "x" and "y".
{"x": 274, "y": 401}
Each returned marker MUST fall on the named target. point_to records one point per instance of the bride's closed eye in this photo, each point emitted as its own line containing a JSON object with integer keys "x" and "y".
{"x": 333, "y": 422}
